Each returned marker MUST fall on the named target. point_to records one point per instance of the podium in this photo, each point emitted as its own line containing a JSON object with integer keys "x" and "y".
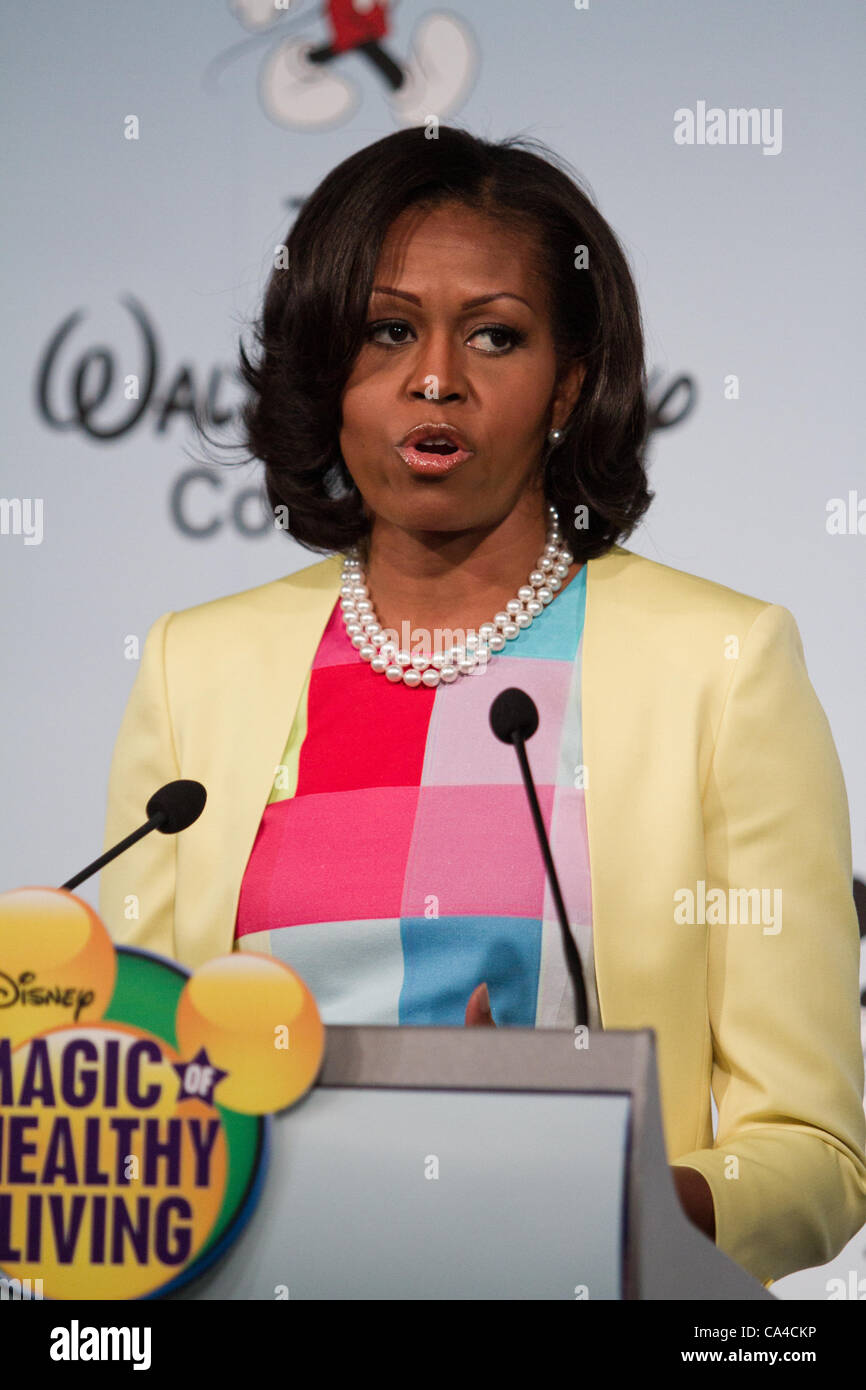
{"x": 474, "y": 1163}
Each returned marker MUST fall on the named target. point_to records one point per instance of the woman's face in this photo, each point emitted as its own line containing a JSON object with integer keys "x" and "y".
{"x": 430, "y": 357}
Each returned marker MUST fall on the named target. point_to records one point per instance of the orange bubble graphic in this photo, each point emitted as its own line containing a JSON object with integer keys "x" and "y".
{"x": 258, "y": 1022}
{"x": 57, "y": 962}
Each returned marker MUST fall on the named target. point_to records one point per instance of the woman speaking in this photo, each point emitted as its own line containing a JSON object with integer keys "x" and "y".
{"x": 448, "y": 396}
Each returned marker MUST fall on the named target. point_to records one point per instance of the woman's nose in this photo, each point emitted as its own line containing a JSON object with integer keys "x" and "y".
{"x": 438, "y": 370}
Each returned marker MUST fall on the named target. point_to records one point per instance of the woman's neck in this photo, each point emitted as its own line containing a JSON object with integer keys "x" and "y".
{"x": 445, "y": 581}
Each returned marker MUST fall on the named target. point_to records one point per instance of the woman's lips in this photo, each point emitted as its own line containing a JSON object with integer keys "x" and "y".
{"x": 432, "y": 464}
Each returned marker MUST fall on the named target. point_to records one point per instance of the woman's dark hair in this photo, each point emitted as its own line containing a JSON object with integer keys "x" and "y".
{"x": 316, "y": 308}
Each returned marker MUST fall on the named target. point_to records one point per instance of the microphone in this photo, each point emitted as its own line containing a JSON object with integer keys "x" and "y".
{"x": 513, "y": 719}
{"x": 172, "y": 808}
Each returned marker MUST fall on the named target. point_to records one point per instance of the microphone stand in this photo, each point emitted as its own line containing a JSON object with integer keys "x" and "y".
{"x": 153, "y": 823}
{"x": 575, "y": 969}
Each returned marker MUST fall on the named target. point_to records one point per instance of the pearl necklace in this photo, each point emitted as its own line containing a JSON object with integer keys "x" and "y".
{"x": 369, "y": 638}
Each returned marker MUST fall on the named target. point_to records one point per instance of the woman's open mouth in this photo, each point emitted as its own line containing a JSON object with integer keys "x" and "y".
{"x": 433, "y": 453}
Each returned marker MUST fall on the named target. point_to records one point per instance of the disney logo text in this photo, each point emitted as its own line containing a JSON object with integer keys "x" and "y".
{"x": 23, "y": 991}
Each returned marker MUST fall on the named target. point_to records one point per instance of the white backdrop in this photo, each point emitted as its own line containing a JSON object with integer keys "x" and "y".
{"x": 747, "y": 256}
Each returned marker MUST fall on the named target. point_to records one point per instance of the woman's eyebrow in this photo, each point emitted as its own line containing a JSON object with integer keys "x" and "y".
{"x": 467, "y": 304}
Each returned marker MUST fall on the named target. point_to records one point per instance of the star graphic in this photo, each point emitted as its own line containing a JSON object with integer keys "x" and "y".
{"x": 198, "y": 1077}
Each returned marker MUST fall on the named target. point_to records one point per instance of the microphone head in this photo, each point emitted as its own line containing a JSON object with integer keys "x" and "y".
{"x": 513, "y": 712}
{"x": 180, "y": 802}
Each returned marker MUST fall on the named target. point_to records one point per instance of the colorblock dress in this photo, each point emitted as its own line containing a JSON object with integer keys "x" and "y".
{"x": 396, "y": 864}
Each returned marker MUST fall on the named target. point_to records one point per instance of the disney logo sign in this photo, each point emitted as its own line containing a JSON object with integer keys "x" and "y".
{"x": 92, "y": 376}
{"x": 24, "y": 991}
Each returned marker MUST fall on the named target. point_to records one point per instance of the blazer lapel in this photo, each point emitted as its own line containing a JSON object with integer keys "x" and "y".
{"x": 260, "y": 651}
{"x": 607, "y": 796}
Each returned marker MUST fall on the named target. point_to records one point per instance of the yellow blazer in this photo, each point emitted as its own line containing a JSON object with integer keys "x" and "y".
{"x": 709, "y": 761}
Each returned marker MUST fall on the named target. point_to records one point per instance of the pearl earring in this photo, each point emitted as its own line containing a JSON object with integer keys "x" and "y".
{"x": 554, "y": 437}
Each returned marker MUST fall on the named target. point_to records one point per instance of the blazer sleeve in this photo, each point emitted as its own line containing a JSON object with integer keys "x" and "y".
{"x": 136, "y": 890}
{"x": 787, "y": 1170}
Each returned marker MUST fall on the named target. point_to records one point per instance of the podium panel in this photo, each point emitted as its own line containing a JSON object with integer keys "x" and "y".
{"x": 438, "y": 1194}
{"x": 453, "y": 1163}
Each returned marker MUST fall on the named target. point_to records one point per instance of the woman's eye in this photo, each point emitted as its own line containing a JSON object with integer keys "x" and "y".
{"x": 390, "y": 326}
{"x": 502, "y": 339}
{"x": 511, "y": 335}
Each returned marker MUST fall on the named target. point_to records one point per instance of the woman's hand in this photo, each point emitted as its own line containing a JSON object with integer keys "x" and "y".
{"x": 696, "y": 1199}
{"x": 478, "y": 1013}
